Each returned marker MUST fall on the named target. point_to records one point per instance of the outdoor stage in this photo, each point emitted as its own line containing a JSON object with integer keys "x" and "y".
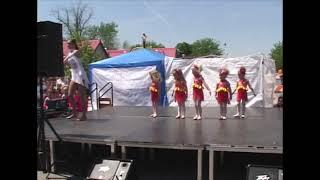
{"x": 260, "y": 132}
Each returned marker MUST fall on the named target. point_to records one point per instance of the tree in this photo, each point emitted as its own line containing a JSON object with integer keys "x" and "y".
{"x": 125, "y": 45}
{"x": 153, "y": 44}
{"x": 87, "y": 55}
{"x": 150, "y": 44}
{"x": 206, "y": 46}
{"x": 74, "y": 19}
{"x": 183, "y": 48}
{"x": 107, "y": 32}
{"x": 276, "y": 54}
{"x": 75, "y": 23}
{"x": 135, "y": 47}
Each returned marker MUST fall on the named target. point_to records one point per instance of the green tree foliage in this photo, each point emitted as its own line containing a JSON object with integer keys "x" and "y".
{"x": 107, "y": 32}
{"x": 87, "y": 56}
{"x": 153, "y": 44}
{"x": 206, "y": 46}
{"x": 183, "y": 48}
{"x": 125, "y": 45}
{"x": 276, "y": 54}
{"x": 150, "y": 45}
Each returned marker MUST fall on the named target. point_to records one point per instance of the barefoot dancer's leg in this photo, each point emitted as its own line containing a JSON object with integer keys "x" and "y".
{"x": 221, "y": 110}
{"x": 179, "y": 111}
{"x": 183, "y": 110}
{"x": 83, "y": 95}
{"x": 243, "y": 103}
{"x": 199, "y": 110}
{"x": 156, "y": 109}
{"x": 224, "y": 109}
{"x": 153, "y": 109}
{"x": 238, "y": 110}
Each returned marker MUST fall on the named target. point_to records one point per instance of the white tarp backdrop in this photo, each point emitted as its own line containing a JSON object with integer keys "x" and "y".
{"x": 260, "y": 73}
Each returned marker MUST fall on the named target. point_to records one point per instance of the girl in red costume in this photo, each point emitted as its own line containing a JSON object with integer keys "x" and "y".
{"x": 223, "y": 93}
{"x": 155, "y": 91}
{"x": 180, "y": 92}
{"x": 242, "y": 96}
{"x": 197, "y": 87}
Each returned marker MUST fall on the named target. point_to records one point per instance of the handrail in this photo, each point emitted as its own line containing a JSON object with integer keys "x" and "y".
{"x": 94, "y": 89}
{"x": 110, "y": 88}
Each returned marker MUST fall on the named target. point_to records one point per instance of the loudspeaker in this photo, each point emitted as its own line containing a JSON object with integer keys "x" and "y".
{"x": 50, "y": 51}
{"x": 260, "y": 172}
{"x": 113, "y": 169}
{"x": 57, "y": 104}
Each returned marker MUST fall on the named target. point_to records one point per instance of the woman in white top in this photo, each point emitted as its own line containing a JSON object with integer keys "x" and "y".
{"x": 79, "y": 80}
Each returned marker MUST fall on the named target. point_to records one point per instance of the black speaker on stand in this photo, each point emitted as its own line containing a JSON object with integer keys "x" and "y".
{"x": 50, "y": 49}
{"x": 49, "y": 63}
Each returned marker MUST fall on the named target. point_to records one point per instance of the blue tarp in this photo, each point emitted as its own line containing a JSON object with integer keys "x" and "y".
{"x": 137, "y": 58}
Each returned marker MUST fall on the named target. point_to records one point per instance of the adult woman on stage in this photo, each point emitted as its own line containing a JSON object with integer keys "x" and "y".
{"x": 79, "y": 80}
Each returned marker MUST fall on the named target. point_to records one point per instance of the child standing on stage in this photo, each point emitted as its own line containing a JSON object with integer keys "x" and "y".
{"x": 155, "y": 91}
{"x": 180, "y": 92}
{"x": 223, "y": 93}
{"x": 197, "y": 87}
{"x": 242, "y": 96}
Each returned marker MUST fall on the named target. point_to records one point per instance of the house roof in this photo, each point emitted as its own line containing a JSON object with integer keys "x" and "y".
{"x": 113, "y": 53}
{"x": 93, "y": 43}
{"x": 171, "y": 52}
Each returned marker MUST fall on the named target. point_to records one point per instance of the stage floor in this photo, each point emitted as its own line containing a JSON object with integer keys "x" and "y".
{"x": 261, "y": 128}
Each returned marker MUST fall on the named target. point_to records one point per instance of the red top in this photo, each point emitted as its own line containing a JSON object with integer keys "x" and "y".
{"x": 154, "y": 87}
{"x": 180, "y": 91}
{"x": 198, "y": 89}
{"x": 242, "y": 85}
{"x": 197, "y": 83}
{"x": 223, "y": 92}
{"x": 154, "y": 91}
{"x": 180, "y": 86}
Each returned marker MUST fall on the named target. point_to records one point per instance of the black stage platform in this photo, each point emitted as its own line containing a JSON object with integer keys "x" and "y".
{"x": 260, "y": 132}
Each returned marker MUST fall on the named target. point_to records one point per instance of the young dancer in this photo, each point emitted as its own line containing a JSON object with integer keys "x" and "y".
{"x": 180, "y": 92}
{"x": 197, "y": 87}
{"x": 241, "y": 89}
{"x": 223, "y": 93}
{"x": 155, "y": 91}
{"x": 79, "y": 80}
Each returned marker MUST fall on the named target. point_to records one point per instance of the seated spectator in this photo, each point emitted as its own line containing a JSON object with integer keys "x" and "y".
{"x": 64, "y": 92}
{"x": 48, "y": 97}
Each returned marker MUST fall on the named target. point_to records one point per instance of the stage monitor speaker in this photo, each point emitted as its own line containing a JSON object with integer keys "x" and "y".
{"x": 259, "y": 172}
{"x": 113, "y": 170}
{"x": 50, "y": 51}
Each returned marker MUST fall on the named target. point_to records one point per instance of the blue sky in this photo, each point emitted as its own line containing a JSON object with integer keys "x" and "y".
{"x": 246, "y": 26}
